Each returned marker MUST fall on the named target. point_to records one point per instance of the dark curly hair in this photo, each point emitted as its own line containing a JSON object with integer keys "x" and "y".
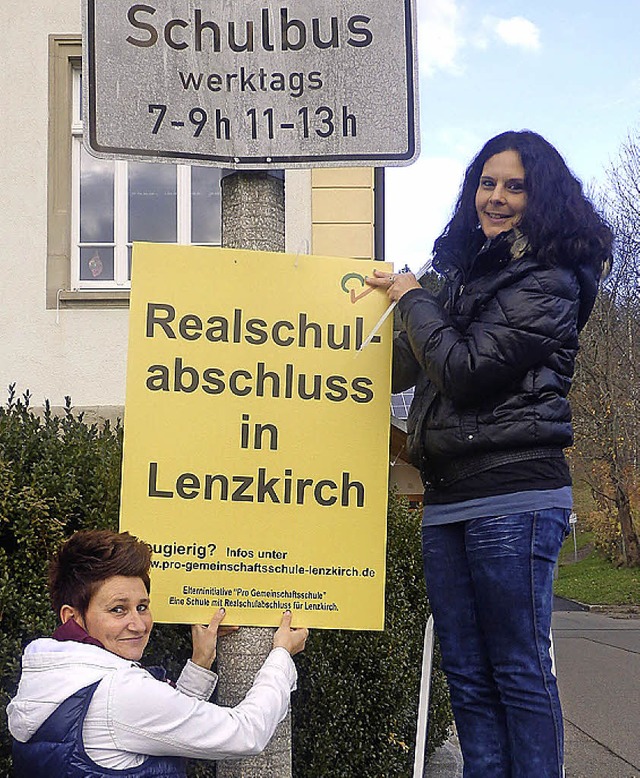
{"x": 88, "y": 558}
{"x": 560, "y": 222}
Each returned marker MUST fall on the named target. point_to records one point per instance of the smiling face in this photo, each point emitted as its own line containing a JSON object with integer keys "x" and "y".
{"x": 118, "y": 616}
{"x": 501, "y": 197}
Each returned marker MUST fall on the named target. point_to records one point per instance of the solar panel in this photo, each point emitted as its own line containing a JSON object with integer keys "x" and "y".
{"x": 400, "y": 404}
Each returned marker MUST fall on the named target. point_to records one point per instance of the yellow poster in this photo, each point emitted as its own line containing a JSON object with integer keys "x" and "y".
{"x": 256, "y": 435}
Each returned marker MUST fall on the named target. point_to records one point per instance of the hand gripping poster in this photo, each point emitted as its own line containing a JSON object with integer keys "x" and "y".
{"x": 256, "y": 435}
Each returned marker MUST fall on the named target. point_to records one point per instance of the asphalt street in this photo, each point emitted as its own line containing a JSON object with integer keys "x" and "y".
{"x": 598, "y": 667}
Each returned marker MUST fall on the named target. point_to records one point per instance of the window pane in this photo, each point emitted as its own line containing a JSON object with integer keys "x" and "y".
{"x": 152, "y": 202}
{"x": 96, "y": 264}
{"x": 96, "y": 199}
{"x": 205, "y": 205}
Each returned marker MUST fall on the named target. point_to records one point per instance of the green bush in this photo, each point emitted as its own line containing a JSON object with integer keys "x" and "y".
{"x": 57, "y": 475}
{"x": 358, "y": 691}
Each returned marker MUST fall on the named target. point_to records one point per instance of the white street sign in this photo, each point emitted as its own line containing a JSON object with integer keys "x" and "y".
{"x": 242, "y": 84}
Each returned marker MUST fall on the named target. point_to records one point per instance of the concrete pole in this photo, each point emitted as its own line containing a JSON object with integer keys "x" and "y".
{"x": 252, "y": 218}
{"x": 253, "y": 211}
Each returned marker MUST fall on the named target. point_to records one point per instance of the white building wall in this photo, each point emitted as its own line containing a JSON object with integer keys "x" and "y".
{"x": 76, "y": 352}
{"x": 37, "y": 351}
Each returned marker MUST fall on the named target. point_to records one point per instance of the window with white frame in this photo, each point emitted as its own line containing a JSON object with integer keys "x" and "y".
{"x": 116, "y": 202}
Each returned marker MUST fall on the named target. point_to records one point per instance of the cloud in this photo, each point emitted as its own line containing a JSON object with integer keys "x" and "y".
{"x": 516, "y": 31}
{"x": 445, "y": 30}
{"x": 440, "y": 38}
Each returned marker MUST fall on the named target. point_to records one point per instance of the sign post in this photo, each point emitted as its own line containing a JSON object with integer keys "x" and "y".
{"x": 252, "y": 218}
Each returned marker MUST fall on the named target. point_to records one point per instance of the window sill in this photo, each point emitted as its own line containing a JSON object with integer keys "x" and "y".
{"x": 104, "y": 298}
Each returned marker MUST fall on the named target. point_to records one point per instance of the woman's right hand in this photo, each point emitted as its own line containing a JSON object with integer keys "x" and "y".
{"x": 287, "y": 637}
{"x": 396, "y": 285}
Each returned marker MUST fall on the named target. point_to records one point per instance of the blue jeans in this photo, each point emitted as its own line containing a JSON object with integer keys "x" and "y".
{"x": 489, "y": 582}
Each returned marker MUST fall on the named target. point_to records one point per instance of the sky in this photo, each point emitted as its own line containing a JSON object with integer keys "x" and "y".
{"x": 567, "y": 69}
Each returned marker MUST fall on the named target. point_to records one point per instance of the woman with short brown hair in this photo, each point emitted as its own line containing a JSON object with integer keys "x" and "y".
{"x": 85, "y": 706}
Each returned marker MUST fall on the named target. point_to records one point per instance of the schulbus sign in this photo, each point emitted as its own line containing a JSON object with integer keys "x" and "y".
{"x": 252, "y": 85}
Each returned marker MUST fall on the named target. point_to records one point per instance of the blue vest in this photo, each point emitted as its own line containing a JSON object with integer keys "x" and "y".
{"x": 56, "y": 750}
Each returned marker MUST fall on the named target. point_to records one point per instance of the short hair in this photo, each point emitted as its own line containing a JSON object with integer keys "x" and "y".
{"x": 560, "y": 222}
{"x": 90, "y": 557}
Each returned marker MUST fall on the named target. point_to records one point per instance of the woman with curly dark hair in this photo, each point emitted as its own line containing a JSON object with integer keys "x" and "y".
{"x": 492, "y": 359}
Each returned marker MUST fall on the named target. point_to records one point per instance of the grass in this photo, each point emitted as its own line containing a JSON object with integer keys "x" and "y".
{"x": 594, "y": 580}
{"x": 584, "y": 545}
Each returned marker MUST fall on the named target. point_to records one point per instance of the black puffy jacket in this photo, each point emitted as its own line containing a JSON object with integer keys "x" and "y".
{"x": 492, "y": 357}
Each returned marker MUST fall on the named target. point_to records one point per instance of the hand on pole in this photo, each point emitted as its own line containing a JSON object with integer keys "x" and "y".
{"x": 205, "y": 639}
{"x": 287, "y": 637}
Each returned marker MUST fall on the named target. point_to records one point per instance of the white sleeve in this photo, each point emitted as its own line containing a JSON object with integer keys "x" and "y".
{"x": 154, "y": 719}
{"x": 195, "y": 681}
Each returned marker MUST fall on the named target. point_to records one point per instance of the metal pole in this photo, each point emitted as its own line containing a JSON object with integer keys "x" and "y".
{"x": 573, "y": 520}
{"x": 423, "y": 707}
{"x": 252, "y": 218}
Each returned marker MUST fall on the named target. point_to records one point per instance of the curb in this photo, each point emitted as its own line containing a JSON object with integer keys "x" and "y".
{"x": 615, "y": 611}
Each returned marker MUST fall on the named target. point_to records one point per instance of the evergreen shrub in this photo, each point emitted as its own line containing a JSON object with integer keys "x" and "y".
{"x": 355, "y": 711}
{"x": 57, "y": 475}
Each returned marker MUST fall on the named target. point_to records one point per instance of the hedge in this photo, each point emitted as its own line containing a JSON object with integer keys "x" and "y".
{"x": 355, "y": 711}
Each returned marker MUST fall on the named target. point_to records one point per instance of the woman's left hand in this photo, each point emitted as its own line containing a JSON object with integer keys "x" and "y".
{"x": 395, "y": 284}
{"x": 205, "y": 639}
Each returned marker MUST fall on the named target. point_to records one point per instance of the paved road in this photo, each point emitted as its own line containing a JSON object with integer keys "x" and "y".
{"x": 598, "y": 665}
